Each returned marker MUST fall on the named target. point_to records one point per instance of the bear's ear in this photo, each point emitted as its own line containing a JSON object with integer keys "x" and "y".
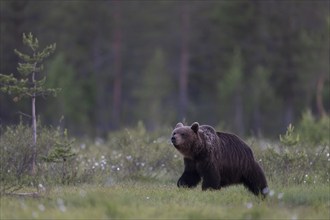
{"x": 195, "y": 127}
{"x": 178, "y": 125}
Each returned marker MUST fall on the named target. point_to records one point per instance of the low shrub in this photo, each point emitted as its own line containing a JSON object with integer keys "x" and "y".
{"x": 15, "y": 157}
{"x": 137, "y": 154}
{"x": 130, "y": 154}
{"x": 293, "y": 161}
{"x": 16, "y": 150}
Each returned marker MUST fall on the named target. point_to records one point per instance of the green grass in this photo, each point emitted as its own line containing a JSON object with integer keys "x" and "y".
{"x": 156, "y": 200}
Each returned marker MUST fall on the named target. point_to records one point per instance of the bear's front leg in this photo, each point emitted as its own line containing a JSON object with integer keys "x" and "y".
{"x": 190, "y": 177}
{"x": 211, "y": 178}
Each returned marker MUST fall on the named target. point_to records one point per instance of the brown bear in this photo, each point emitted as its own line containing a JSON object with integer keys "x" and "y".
{"x": 219, "y": 159}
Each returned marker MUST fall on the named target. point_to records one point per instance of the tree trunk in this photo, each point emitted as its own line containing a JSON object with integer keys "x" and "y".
{"x": 184, "y": 61}
{"x": 102, "y": 113}
{"x": 117, "y": 46}
{"x": 319, "y": 95}
{"x": 34, "y": 130}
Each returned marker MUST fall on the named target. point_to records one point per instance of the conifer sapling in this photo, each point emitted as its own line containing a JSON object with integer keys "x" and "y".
{"x": 30, "y": 82}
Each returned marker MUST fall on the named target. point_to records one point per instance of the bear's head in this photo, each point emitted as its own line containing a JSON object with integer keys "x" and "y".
{"x": 185, "y": 139}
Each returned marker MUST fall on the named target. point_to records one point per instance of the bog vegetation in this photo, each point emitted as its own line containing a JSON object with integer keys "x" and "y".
{"x": 133, "y": 170}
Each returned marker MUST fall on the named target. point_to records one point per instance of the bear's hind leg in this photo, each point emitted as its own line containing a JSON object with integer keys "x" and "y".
{"x": 251, "y": 187}
{"x": 255, "y": 181}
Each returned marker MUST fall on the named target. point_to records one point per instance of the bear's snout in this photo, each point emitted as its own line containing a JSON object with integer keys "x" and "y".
{"x": 173, "y": 139}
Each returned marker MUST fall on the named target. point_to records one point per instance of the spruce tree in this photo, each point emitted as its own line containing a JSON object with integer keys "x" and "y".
{"x": 29, "y": 82}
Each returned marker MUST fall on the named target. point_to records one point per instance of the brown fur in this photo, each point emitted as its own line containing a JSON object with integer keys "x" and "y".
{"x": 219, "y": 159}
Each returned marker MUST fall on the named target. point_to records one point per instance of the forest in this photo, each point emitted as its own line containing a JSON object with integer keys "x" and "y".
{"x": 250, "y": 67}
{"x": 90, "y": 91}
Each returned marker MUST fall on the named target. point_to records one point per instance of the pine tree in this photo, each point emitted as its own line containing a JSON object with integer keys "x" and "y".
{"x": 30, "y": 82}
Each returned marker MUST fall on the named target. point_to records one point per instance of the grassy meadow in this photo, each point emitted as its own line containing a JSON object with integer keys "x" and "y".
{"x": 165, "y": 201}
{"x": 132, "y": 174}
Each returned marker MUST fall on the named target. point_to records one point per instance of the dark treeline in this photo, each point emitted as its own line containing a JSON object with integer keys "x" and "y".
{"x": 251, "y": 67}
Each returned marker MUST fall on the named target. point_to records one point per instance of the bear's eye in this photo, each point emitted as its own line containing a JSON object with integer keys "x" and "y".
{"x": 183, "y": 134}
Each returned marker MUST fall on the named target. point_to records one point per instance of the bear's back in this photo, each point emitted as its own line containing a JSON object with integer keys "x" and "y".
{"x": 208, "y": 129}
{"x": 235, "y": 144}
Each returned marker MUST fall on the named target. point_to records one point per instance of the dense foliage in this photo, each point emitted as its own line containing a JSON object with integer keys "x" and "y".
{"x": 250, "y": 66}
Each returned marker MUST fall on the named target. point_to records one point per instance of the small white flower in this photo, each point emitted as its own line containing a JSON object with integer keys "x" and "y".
{"x": 82, "y": 193}
{"x": 61, "y": 205}
{"x": 41, "y": 207}
{"x": 59, "y": 201}
{"x": 35, "y": 214}
{"x": 23, "y": 206}
{"x": 265, "y": 191}
{"x": 62, "y": 208}
{"x": 294, "y": 217}
{"x": 280, "y": 195}
{"x": 99, "y": 141}
{"x": 41, "y": 188}
{"x": 249, "y": 205}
